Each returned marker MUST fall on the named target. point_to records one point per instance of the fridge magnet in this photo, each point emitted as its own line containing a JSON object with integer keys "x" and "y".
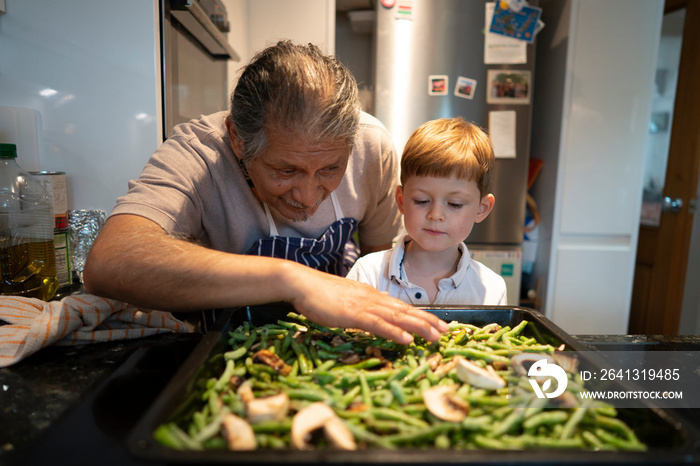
{"x": 404, "y": 9}
{"x": 437, "y": 84}
{"x": 522, "y": 25}
{"x": 508, "y": 87}
{"x": 465, "y": 87}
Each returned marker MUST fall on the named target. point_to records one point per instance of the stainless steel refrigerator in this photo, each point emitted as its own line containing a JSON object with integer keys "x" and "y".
{"x": 422, "y": 42}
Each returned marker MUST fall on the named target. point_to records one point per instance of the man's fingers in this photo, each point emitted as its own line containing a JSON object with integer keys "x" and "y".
{"x": 397, "y": 320}
{"x": 439, "y": 324}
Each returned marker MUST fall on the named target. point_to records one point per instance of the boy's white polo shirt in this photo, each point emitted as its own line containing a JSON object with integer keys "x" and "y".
{"x": 472, "y": 284}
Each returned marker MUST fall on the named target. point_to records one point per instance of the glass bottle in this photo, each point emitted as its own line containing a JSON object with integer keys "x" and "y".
{"x": 27, "y": 257}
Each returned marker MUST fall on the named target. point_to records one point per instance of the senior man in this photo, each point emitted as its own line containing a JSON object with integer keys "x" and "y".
{"x": 261, "y": 204}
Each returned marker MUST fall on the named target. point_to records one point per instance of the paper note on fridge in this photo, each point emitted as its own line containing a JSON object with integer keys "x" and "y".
{"x": 502, "y": 133}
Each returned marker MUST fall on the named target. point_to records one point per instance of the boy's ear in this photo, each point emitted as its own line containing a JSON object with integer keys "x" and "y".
{"x": 399, "y": 198}
{"x": 485, "y": 207}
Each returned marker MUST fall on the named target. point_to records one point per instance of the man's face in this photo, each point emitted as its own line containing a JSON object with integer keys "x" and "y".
{"x": 294, "y": 177}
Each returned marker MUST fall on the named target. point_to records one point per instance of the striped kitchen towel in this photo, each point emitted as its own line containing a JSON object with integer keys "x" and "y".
{"x": 74, "y": 320}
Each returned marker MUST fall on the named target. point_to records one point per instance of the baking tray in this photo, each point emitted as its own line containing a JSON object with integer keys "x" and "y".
{"x": 668, "y": 439}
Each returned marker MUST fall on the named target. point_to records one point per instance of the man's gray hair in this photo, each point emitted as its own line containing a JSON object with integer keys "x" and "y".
{"x": 294, "y": 89}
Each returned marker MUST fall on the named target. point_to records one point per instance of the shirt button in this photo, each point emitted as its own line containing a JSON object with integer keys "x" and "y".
{"x": 419, "y": 295}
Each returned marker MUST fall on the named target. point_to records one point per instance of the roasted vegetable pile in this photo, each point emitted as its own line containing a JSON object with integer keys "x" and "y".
{"x": 298, "y": 385}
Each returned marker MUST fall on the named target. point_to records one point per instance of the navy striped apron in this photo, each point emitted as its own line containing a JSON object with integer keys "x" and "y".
{"x": 335, "y": 251}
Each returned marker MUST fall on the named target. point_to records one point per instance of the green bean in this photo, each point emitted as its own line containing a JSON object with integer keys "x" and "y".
{"x": 323, "y": 354}
{"x": 172, "y": 436}
{"x": 476, "y": 354}
{"x": 421, "y": 434}
{"x": 365, "y": 391}
{"x": 417, "y": 372}
{"x": 325, "y": 365}
{"x": 305, "y": 366}
{"x": 545, "y": 418}
{"x": 364, "y": 364}
{"x": 399, "y": 374}
{"x": 498, "y": 334}
{"x": 509, "y": 423}
{"x": 287, "y": 341}
{"x": 342, "y": 348}
{"x": 617, "y": 442}
{"x": 323, "y": 345}
{"x": 272, "y": 427}
{"x": 307, "y": 394}
{"x": 398, "y": 392}
{"x": 225, "y": 378}
{"x": 477, "y": 423}
{"x": 615, "y": 425}
{"x": 365, "y": 436}
{"x": 394, "y": 415}
{"x": 547, "y": 442}
{"x": 209, "y": 430}
{"x": 573, "y": 421}
{"x": 516, "y": 330}
{"x": 350, "y": 395}
{"x": 492, "y": 443}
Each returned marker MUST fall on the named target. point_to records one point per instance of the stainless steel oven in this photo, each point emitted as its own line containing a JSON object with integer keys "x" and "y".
{"x": 194, "y": 51}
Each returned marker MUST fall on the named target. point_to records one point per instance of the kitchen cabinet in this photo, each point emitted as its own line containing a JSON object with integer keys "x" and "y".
{"x": 596, "y": 63}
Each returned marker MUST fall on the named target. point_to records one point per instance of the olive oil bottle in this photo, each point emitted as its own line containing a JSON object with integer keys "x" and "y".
{"x": 27, "y": 257}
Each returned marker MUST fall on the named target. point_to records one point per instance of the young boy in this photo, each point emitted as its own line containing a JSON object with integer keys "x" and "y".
{"x": 445, "y": 181}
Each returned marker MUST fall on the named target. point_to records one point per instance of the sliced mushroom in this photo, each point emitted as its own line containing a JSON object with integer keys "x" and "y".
{"x": 269, "y": 408}
{"x": 350, "y": 358}
{"x": 245, "y": 391}
{"x": 320, "y": 416}
{"x": 337, "y": 341}
{"x": 521, "y": 362}
{"x": 443, "y": 403}
{"x": 445, "y": 368}
{"x": 567, "y": 400}
{"x": 236, "y": 381}
{"x": 566, "y": 362}
{"x": 500, "y": 365}
{"x": 338, "y": 434}
{"x": 239, "y": 435}
{"x": 434, "y": 361}
{"x": 477, "y": 376}
{"x": 269, "y": 358}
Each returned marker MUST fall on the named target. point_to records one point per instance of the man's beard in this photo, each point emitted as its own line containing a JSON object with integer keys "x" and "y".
{"x": 297, "y": 205}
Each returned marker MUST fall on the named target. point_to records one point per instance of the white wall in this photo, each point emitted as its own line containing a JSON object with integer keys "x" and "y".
{"x": 255, "y": 24}
{"x": 89, "y": 73}
{"x": 86, "y": 78}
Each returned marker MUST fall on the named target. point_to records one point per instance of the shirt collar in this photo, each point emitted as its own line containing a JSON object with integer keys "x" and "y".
{"x": 399, "y": 251}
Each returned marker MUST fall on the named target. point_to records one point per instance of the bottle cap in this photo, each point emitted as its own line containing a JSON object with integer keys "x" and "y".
{"x": 8, "y": 151}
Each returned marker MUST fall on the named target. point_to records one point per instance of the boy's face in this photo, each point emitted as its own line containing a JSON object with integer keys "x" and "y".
{"x": 439, "y": 213}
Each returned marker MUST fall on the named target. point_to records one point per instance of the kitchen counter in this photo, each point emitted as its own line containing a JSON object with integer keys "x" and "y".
{"x": 76, "y": 405}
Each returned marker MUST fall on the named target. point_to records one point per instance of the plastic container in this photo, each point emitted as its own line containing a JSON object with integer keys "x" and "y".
{"x": 27, "y": 254}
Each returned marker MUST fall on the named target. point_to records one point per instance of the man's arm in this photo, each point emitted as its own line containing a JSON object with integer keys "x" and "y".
{"x": 134, "y": 260}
